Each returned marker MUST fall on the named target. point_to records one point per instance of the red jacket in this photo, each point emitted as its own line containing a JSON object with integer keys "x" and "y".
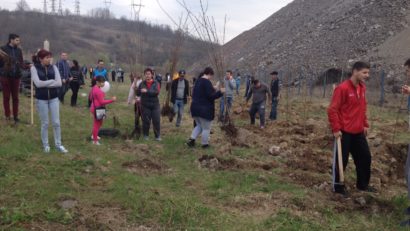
{"x": 97, "y": 98}
{"x": 347, "y": 111}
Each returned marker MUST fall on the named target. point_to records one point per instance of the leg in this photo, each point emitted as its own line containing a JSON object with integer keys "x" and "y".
{"x": 180, "y": 112}
{"x": 346, "y": 143}
{"x": 252, "y": 113}
{"x": 362, "y": 159}
{"x": 146, "y": 120}
{"x": 273, "y": 113}
{"x": 156, "y": 121}
{"x": 42, "y": 109}
{"x": 15, "y": 87}
{"x": 5, "y": 83}
{"x": 407, "y": 172}
{"x": 229, "y": 101}
{"x": 262, "y": 114}
{"x": 96, "y": 128}
{"x": 206, "y": 130}
{"x": 54, "y": 107}
{"x": 74, "y": 88}
{"x": 221, "y": 108}
{"x": 197, "y": 129}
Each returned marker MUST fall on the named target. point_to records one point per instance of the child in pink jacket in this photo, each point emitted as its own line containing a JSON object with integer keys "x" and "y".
{"x": 97, "y": 100}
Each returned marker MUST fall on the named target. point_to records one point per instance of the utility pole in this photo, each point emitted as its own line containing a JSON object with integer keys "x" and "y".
{"x": 53, "y": 6}
{"x": 45, "y": 6}
{"x": 77, "y": 7}
{"x": 135, "y": 10}
{"x": 60, "y": 7}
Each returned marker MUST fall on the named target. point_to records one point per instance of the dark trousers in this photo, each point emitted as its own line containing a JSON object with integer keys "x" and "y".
{"x": 273, "y": 112}
{"x": 258, "y": 108}
{"x": 113, "y": 77}
{"x": 10, "y": 88}
{"x": 62, "y": 91}
{"x": 75, "y": 86}
{"x": 151, "y": 114}
{"x": 356, "y": 144}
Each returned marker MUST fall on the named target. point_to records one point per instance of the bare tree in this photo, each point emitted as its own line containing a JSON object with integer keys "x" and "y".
{"x": 22, "y": 5}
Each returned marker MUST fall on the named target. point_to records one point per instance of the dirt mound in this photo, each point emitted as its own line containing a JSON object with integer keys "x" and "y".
{"x": 145, "y": 167}
{"x": 217, "y": 163}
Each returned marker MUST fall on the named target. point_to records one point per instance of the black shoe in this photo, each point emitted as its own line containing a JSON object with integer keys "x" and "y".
{"x": 369, "y": 189}
{"x": 341, "y": 189}
{"x": 405, "y": 223}
{"x": 16, "y": 120}
{"x": 205, "y": 146}
{"x": 190, "y": 143}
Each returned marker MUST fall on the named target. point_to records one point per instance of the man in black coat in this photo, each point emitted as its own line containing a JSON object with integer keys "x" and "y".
{"x": 179, "y": 95}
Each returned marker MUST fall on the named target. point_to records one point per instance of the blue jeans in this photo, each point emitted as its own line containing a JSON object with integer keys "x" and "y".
{"x": 238, "y": 86}
{"x": 273, "y": 112}
{"x": 203, "y": 128}
{"x": 179, "y": 110}
{"x": 258, "y": 108}
{"x": 44, "y": 108}
{"x": 222, "y": 105}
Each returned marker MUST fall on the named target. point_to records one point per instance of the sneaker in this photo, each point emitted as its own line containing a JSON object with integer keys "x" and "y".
{"x": 98, "y": 138}
{"x": 46, "y": 149}
{"x": 369, "y": 189}
{"x": 405, "y": 223}
{"x": 190, "y": 143}
{"x": 158, "y": 139}
{"x": 96, "y": 143}
{"x": 61, "y": 149}
{"x": 205, "y": 146}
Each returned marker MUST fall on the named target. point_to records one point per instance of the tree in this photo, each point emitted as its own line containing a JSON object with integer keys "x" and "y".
{"x": 22, "y": 5}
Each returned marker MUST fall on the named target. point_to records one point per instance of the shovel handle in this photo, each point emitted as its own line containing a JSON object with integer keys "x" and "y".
{"x": 340, "y": 160}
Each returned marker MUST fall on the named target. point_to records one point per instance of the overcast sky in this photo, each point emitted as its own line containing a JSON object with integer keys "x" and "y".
{"x": 241, "y": 15}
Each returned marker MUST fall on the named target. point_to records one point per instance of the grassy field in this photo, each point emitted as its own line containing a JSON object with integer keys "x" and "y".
{"x": 149, "y": 185}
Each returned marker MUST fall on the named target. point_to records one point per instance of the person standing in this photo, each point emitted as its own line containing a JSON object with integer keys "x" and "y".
{"x": 203, "y": 107}
{"x": 348, "y": 120}
{"x": 100, "y": 70}
{"x": 229, "y": 84}
{"x": 274, "y": 88}
{"x": 47, "y": 81}
{"x": 249, "y": 80}
{"x": 10, "y": 75}
{"x": 238, "y": 82}
{"x": 84, "y": 71}
{"x": 179, "y": 95}
{"x": 97, "y": 97}
{"x": 76, "y": 82}
{"x": 64, "y": 69}
{"x": 259, "y": 92}
{"x": 113, "y": 74}
{"x": 149, "y": 90}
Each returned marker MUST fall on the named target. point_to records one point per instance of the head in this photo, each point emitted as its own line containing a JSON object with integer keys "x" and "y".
{"x": 181, "y": 74}
{"x": 63, "y": 56}
{"x": 44, "y": 57}
{"x": 257, "y": 83}
{"x": 100, "y": 64}
{"x": 360, "y": 71}
{"x": 209, "y": 72}
{"x": 75, "y": 63}
{"x": 407, "y": 66}
{"x": 228, "y": 73}
{"x": 149, "y": 74}
{"x": 100, "y": 81}
{"x": 274, "y": 75}
{"x": 238, "y": 74}
{"x": 14, "y": 40}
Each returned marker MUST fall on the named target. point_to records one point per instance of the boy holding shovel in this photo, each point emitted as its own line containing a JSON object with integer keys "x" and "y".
{"x": 348, "y": 120}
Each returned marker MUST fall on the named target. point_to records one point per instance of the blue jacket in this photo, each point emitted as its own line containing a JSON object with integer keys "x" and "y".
{"x": 64, "y": 69}
{"x": 102, "y": 72}
{"x": 203, "y": 99}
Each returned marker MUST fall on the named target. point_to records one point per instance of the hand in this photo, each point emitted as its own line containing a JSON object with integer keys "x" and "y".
{"x": 337, "y": 134}
{"x": 144, "y": 90}
{"x": 405, "y": 89}
{"x": 64, "y": 81}
{"x": 366, "y": 131}
{"x": 70, "y": 79}
{"x": 222, "y": 90}
{"x": 114, "y": 98}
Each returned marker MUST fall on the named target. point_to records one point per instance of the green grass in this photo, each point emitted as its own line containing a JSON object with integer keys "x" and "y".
{"x": 182, "y": 197}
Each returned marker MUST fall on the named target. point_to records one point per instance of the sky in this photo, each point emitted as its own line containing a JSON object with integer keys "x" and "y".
{"x": 241, "y": 15}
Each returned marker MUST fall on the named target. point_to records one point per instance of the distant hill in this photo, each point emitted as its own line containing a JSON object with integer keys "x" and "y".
{"x": 88, "y": 39}
{"x": 322, "y": 34}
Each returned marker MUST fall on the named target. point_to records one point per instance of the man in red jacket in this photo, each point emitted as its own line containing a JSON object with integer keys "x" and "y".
{"x": 347, "y": 117}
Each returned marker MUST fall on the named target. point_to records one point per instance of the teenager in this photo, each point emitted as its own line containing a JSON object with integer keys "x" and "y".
{"x": 100, "y": 70}
{"x": 274, "y": 89}
{"x": 259, "y": 91}
{"x": 229, "y": 83}
{"x": 76, "y": 82}
{"x": 179, "y": 95}
{"x": 64, "y": 69}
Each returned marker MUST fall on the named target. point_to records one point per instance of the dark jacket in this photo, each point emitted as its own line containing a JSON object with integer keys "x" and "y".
{"x": 149, "y": 99}
{"x": 274, "y": 88}
{"x": 17, "y": 63}
{"x": 48, "y": 91}
{"x": 203, "y": 99}
{"x": 77, "y": 75}
{"x": 64, "y": 69}
{"x": 174, "y": 88}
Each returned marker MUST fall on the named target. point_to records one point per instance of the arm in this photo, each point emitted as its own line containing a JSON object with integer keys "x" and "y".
{"x": 36, "y": 80}
{"x": 154, "y": 92}
{"x": 232, "y": 83}
{"x": 249, "y": 94}
{"x": 269, "y": 93}
{"x": 210, "y": 92}
{"x": 57, "y": 82}
{"x": 333, "y": 112}
{"x": 131, "y": 94}
{"x": 99, "y": 96}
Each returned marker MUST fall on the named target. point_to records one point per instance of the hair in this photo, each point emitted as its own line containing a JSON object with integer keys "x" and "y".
{"x": 13, "y": 36}
{"x": 148, "y": 70}
{"x": 100, "y": 60}
{"x": 238, "y": 73}
{"x": 274, "y": 73}
{"x": 407, "y": 63}
{"x": 41, "y": 54}
{"x": 99, "y": 79}
{"x": 208, "y": 71}
{"x": 229, "y": 71}
{"x": 255, "y": 81}
{"x": 75, "y": 62}
{"x": 358, "y": 66}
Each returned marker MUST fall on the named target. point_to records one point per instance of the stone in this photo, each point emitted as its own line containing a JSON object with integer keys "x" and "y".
{"x": 274, "y": 150}
{"x": 361, "y": 201}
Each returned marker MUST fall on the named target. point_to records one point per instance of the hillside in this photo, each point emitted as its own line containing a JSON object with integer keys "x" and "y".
{"x": 321, "y": 34}
{"x": 88, "y": 39}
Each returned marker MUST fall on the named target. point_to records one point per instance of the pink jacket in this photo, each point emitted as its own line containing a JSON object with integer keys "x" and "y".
{"x": 97, "y": 98}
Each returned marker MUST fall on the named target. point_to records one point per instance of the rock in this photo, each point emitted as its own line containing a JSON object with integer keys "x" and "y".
{"x": 283, "y": 145}
{"x": 68, "y": 204}
{"x": 323, "y": 186}
{"x": 274, "y": 150}
{"x": 361, "y": 201}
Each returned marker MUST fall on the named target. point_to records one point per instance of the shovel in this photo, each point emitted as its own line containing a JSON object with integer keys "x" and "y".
{"x": 340, "y": 161}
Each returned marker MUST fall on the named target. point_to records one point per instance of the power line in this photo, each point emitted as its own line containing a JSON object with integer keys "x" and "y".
{"x": 77, "y": 7}
{"x": 135, "y": 10}
{"x": 107, "y": 4}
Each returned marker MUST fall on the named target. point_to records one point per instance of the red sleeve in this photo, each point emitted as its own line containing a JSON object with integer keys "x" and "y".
{"x": 333, "y": 112}
{"x": 100, "y": 98}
